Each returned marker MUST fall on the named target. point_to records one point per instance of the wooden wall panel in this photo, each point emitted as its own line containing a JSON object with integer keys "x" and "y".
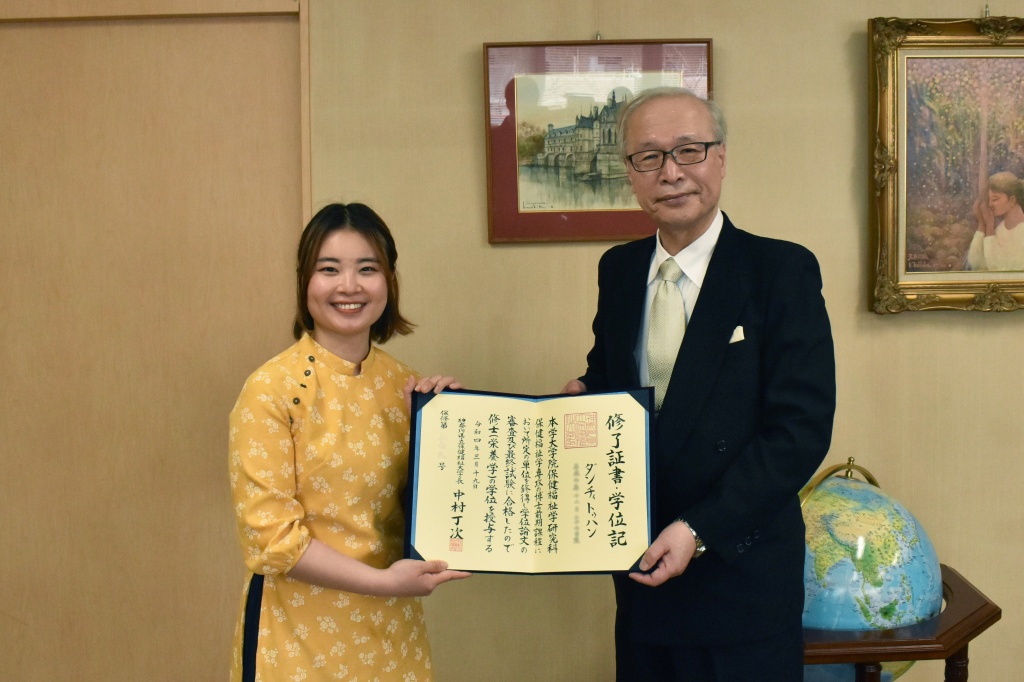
{"x": 149, "y": 207}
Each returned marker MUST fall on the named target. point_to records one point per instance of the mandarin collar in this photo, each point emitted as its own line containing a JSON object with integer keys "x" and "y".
{"x": 337, "y": 364}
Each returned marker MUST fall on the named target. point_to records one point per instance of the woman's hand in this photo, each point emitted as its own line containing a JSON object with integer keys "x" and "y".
{"x": 322, "y": 565}
{"x": 413, "y": 578}
{"x": 436, "y": 383}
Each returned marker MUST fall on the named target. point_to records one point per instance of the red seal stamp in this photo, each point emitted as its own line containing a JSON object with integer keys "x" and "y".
{"x": 581, "y": 430}
{"x": 455, "y": 545}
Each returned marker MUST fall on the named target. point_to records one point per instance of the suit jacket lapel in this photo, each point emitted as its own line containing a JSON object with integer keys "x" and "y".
{"x": 630, "y": 307}
{"x": 722, "y": 298}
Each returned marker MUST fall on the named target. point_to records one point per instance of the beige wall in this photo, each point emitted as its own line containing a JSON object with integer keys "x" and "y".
{"x": 126, "y": 332}
{"x": 922, "y": 403}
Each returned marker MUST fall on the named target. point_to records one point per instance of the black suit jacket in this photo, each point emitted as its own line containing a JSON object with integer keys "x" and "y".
{"x": 743, "y": 426}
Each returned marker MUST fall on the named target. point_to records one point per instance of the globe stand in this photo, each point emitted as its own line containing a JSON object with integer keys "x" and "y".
{"x": 966, "y": 615}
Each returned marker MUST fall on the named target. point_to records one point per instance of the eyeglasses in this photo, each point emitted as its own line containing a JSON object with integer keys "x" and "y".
{"x": 684, "y": 155}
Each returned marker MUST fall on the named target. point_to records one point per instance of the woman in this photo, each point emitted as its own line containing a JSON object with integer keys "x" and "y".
{"x": 999, "y": 247}
{"x": 319, "y": 442}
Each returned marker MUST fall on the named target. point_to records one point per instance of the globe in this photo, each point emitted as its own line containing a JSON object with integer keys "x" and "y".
{"x": 869, "y": 565}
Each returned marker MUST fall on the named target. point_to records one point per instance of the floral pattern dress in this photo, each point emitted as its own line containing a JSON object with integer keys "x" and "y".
{"x": 317, "y": 451}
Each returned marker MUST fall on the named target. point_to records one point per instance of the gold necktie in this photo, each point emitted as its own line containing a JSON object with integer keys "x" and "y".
{"x": 667, "y": 324}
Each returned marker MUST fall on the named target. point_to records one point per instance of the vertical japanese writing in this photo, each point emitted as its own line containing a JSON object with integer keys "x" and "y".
{"x": 460, "y": 453}
{"x": 538, "y": 497}
{"x": 442, "y": 442}
{"x": 527, "y": 485}
{"x": 491, "y": 488}
{"x": 458, "y": 507}
{"x": 591, "y": 495}
{"x": 552, "y": 486}
{"x": 508, "y": 510}
{"x": 477, "y": 439}
{"x": 524, "y": 488}
{"x": 576, "y": 490}
{"x": 616, "y": 460}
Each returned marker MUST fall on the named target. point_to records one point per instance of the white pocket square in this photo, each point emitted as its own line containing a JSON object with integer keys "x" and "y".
{"x": 737, "y": 334}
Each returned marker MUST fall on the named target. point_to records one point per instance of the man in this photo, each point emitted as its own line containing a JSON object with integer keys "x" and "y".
{"x": 745, "y": 408}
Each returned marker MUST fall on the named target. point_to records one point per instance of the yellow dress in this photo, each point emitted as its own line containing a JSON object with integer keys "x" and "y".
{"x": 317, "y": 451}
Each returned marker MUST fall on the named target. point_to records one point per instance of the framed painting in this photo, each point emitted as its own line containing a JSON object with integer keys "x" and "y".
{"x": 554, "y": 172}
{"x": 947, "y": 117}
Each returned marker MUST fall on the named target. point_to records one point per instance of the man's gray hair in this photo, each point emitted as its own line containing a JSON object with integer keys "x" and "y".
{"x": 717, "y": 115}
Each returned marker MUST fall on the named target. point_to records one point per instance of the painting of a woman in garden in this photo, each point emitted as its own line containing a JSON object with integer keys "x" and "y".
{"x": 964, "y": 162}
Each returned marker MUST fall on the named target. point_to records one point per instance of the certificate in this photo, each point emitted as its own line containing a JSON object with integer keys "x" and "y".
{"x": 525, "y": 484}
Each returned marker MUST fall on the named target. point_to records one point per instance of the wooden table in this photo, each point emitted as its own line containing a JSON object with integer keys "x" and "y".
{"x": 966, "y": 615}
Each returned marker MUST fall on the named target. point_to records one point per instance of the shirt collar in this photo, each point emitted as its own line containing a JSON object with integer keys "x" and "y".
{"x": 694, "y": 259}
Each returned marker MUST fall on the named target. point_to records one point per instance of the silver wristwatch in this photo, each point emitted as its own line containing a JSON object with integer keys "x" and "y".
{"x": 701, "y": 547}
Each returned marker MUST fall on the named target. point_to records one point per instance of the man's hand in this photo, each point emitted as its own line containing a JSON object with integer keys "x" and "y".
{"x": 574, "y": 387}
{"x": 669, "y": 554}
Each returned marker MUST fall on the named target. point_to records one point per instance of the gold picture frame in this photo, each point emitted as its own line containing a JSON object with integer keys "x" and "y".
{"x": 947, "y": 112}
